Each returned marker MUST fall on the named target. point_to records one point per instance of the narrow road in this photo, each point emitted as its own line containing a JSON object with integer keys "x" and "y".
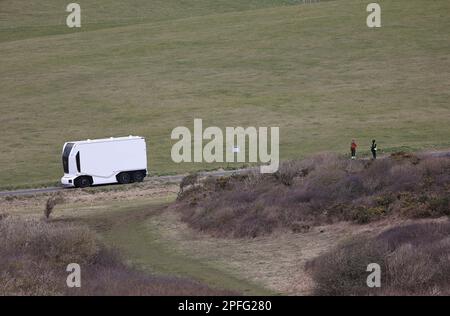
{"x": 176, "y": 178}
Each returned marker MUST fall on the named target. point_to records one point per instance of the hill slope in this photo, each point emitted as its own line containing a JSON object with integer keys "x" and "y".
{"x": 316, "y": 71}
{"x": 21, "y": 19}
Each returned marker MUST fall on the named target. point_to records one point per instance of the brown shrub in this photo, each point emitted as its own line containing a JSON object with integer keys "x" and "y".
{"x": 401, "y": 156}
{"x": 290, "y": 170}
{"x": 440, "y": 205}
{"x": 189, "y": 180}
{"x": 413, "y": 259}
{"x": 364, "y": 214}
{"x": 51, "y": 203}
{"x": 319, "y": 190}
{"x": 34, "y": 256}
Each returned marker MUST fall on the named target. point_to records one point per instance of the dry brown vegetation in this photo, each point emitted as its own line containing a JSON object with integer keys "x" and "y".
{"x": 34, "y": 255}
{"x": 52, "y": 201}
{"x": 34, "y": 252}
{"x": 189, "y": 180}
{"x": 320, "y": 190}
{"x": 414, "y": 260}
{"x": 327, "y": 189}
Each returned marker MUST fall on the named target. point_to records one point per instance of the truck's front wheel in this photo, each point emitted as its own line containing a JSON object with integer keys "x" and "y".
{"x": 82, "y": 182}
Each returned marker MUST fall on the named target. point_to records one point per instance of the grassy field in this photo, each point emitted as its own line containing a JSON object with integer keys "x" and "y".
{"x": 146, "y": 67}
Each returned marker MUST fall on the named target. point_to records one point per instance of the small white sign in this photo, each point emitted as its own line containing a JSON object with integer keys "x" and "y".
{"x": 236, "y": 149}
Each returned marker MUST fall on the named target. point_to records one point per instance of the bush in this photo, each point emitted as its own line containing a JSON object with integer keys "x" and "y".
{"x": 319, "y": 190}
{"x": 413, "y": 260}
{"x": 364, "y": 215}
{"x": 440, "y": 205}
{"x": 189, "y": 180}
{"x": 290, "y": 170}
{"x": 51, "y": 203}
{"x": 34, "y": 255}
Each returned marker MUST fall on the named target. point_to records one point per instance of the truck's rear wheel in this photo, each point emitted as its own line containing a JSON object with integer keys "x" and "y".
{"x": 82, "y": 182}
{"x": 124, "y": 178}
{"x": 138, "y": 176}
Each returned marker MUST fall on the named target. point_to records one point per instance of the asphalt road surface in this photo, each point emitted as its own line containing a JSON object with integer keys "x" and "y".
{"x": 173, "y": 178}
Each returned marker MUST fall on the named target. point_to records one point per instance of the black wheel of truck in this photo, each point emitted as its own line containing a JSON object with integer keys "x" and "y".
{"x": 124, "y": 178}
{"x": 138, "y": 176}
{"x": 83, "y": 182}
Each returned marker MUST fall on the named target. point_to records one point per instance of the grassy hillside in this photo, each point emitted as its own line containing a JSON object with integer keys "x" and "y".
{"x": 144, "y": 68}
{"x": 21, "y": 19}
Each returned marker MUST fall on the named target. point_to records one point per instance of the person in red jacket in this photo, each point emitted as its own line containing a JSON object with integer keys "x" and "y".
{"x": 353, "y": 148}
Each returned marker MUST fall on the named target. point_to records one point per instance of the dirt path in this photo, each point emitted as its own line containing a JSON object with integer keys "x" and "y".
{"x": 276, "y": 261}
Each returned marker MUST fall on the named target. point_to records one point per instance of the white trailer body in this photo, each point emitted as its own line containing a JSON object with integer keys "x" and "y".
{"x": 104, "y": 161}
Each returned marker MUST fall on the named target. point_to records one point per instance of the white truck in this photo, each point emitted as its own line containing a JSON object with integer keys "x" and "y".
{"x": 104, "y": 161}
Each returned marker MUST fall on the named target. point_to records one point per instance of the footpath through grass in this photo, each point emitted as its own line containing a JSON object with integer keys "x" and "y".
{"x": 130, "y": 230}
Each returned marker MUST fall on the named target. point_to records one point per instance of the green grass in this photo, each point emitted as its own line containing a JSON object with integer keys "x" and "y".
{"x": 131, "y": 230}
{"x": 143, "y": 247}
{"x": 316, "y": 71}
{"x": 21, "y": 19}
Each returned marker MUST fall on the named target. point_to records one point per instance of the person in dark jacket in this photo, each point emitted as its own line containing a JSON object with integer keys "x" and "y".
{"x": 373, "y": 149}
{"x": 353, "y": 148}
